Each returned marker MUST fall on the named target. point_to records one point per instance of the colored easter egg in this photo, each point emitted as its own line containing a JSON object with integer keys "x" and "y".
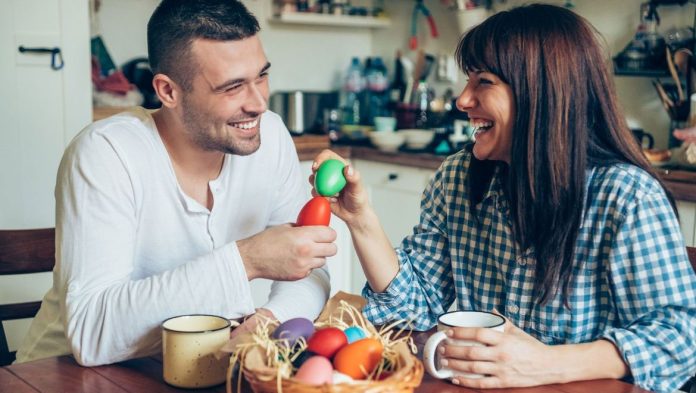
{"x": 357, "y": 360}
{"x": 329, "y": 179}
{"x": 354, "y": 334}
{"x": 315, "y": 212}
{"x": 326, "y": 342}
{"x": 302, "y": 357}
{"x": 317, "y": 370}
{"x": 292, "y": 329}
{"x": 340, "y": 378}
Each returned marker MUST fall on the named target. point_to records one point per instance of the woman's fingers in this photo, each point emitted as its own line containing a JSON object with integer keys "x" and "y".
{"x": 471, "y": 352}
{"x": 326, "y": 154}
{"x": 466, "y": 366}
{"x": 481, "y": 335}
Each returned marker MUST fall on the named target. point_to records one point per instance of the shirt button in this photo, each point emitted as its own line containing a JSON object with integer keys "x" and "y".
{"x": 513, "y": 308}
{"x": 522, "y": 261}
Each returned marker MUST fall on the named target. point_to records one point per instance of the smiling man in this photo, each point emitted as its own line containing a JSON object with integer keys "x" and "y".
{"x": 173, "y": 212}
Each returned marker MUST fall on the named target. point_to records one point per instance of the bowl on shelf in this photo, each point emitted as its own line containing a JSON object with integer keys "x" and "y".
{"x": 387, "y": 141}
{"x": 417, "y": 138}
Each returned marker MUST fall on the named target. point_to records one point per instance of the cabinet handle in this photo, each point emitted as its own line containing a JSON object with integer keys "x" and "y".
{"x": 56, "y": 55}
{"x": 393, "y": 176}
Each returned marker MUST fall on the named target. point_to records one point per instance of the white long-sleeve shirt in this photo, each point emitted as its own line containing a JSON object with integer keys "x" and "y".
{"x": 133, "y": 249}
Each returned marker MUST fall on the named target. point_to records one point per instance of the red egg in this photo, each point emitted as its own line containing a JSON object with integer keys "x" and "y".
{"x": 326, "y": 342}
{"x": 316, "y": 370}
{"x": 357, "y": 360}
{"x": 315, "y": 212}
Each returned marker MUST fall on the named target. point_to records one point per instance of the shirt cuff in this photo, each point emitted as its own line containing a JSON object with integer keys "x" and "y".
{"x": 395, "y": 293}
{"x": 303, "y": 298}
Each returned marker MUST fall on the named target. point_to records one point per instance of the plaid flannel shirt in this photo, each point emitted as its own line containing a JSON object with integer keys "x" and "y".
{"x": 632, "y": 281}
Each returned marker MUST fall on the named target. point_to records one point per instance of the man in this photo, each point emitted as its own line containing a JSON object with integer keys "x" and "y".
{"x": 174, "y": 212}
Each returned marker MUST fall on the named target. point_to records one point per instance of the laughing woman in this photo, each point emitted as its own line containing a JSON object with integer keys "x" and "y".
{"x": 552, "y": 217}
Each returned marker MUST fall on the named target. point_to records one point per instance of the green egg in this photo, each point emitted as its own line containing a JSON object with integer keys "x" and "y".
{"x": 329, "y": 179}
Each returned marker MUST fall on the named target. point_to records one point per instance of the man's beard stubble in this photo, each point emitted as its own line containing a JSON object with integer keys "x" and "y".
{"x": 199, "y": 128}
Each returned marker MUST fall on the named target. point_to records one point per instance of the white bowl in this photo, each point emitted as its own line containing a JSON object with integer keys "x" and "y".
{"x": 387, "y": 141}
{"x": 417, "y": 139}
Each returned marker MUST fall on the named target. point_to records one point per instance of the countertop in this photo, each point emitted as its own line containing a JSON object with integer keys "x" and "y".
{"x": 682, "y": 183}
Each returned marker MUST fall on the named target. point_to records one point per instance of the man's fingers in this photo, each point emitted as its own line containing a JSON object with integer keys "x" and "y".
{"x": 320, "y": 234}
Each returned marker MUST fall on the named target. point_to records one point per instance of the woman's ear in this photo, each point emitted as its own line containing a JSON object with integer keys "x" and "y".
{"x": 167, "y": 90}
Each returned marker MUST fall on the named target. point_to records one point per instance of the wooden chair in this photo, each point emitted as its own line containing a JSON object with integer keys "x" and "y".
{"x": 23, "y": 251}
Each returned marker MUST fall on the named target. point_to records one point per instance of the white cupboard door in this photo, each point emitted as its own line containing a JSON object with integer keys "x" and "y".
{"x": 41, "y": 109}
{"x": 687, "y": 221}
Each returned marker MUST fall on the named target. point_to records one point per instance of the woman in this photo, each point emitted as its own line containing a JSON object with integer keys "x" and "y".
{"x": 552, "y": 217}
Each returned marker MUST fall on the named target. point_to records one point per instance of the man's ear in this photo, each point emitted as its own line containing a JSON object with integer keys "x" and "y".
{"x": 168, "y": 91}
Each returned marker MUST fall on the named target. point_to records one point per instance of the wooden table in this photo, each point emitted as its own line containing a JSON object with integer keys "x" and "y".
{"x": 63, "y": 374}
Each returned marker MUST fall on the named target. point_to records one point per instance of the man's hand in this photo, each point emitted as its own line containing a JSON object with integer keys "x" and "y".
{"x": 249, "y": 325}
{"x": 286, "y": 253}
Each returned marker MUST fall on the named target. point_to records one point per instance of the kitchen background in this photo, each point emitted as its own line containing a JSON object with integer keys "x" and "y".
{"x": 41, "y": 113}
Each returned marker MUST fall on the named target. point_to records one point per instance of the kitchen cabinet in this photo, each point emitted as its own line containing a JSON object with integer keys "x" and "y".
{"x": 687, "y": 221}
{"x": 395, "y": 194}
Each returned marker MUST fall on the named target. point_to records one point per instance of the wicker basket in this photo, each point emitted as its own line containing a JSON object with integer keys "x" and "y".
{"x": 257, "y": 356}
{"x": 403, "y": 380}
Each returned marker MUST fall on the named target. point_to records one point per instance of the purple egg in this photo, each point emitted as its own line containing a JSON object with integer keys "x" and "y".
{"x": 292, "y": 329}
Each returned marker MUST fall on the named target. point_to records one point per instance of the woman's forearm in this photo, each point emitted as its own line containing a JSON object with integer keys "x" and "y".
{"x": 594, "y": 360}
{"x": 376, "y": 254}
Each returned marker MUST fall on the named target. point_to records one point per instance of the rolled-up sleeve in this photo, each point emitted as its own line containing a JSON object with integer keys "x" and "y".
{"x": 423, "y": 288}
{"x": 654, "y": 291}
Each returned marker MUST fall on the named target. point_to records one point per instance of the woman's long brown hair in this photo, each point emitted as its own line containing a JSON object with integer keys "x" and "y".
{"x": 567, "y": 120}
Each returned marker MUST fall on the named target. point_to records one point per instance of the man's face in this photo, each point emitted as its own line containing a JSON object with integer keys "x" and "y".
{"x": 229, "y": 94}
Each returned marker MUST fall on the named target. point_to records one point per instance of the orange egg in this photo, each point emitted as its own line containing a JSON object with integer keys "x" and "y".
{"x": 357, "y": 360}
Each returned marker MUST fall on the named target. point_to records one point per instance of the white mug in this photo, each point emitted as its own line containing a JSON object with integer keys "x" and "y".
{"x": 480, "y": 319}
{"x": 189, "y": 345}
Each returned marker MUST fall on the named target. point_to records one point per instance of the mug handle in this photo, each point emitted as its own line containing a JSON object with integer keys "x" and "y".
{"x": 429, "y": 357}
{"x": 651, "y": 141}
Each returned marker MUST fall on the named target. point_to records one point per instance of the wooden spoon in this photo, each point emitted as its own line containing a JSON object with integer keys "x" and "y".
{"x": 675, "y": 74}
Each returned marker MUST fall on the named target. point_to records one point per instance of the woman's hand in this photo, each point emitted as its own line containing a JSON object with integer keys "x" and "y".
{"x": 511, "y": 358}
{"x": 351, "y": 204}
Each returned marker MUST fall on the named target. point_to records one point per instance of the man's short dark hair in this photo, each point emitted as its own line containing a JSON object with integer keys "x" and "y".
{"x": 176, "y": 23}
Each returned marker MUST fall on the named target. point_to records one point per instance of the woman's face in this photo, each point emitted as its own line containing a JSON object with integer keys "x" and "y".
{"x": 491, "y": 108}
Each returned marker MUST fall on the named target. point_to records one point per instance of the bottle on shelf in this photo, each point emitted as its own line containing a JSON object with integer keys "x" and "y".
{"x": 353, "y": 86}
{"x": 376, "y": 92}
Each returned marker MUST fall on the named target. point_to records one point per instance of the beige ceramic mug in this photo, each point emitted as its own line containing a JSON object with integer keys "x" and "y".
{"x": 189, "y": 345}
{"x": 447, "y": 321}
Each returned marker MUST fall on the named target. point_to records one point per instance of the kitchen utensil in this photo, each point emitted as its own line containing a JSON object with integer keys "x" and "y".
{"x": 666, "y": 101}
{"x": 302, "y": 111}
{"x": 674, "y": 73}
{"x": 419, "y": 7}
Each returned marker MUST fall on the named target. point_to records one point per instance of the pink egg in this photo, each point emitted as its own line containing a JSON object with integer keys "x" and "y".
{"x": 317, "y": 370}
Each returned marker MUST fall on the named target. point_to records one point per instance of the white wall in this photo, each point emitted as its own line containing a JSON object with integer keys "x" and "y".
{"x": 314, "y": 58}
{"x": 309, "y": 58}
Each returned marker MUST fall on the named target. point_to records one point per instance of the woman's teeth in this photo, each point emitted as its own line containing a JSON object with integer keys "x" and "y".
{"x": 481, "y": 126}
{"x": 247, "y": 125}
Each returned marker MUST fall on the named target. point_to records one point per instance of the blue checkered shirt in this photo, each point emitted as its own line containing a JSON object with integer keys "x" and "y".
{"x": 632, "y": 285}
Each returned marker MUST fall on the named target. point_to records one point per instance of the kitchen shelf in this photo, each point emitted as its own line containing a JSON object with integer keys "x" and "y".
{"x": 649, "y": 73}
{"x": 309, "y": 18}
